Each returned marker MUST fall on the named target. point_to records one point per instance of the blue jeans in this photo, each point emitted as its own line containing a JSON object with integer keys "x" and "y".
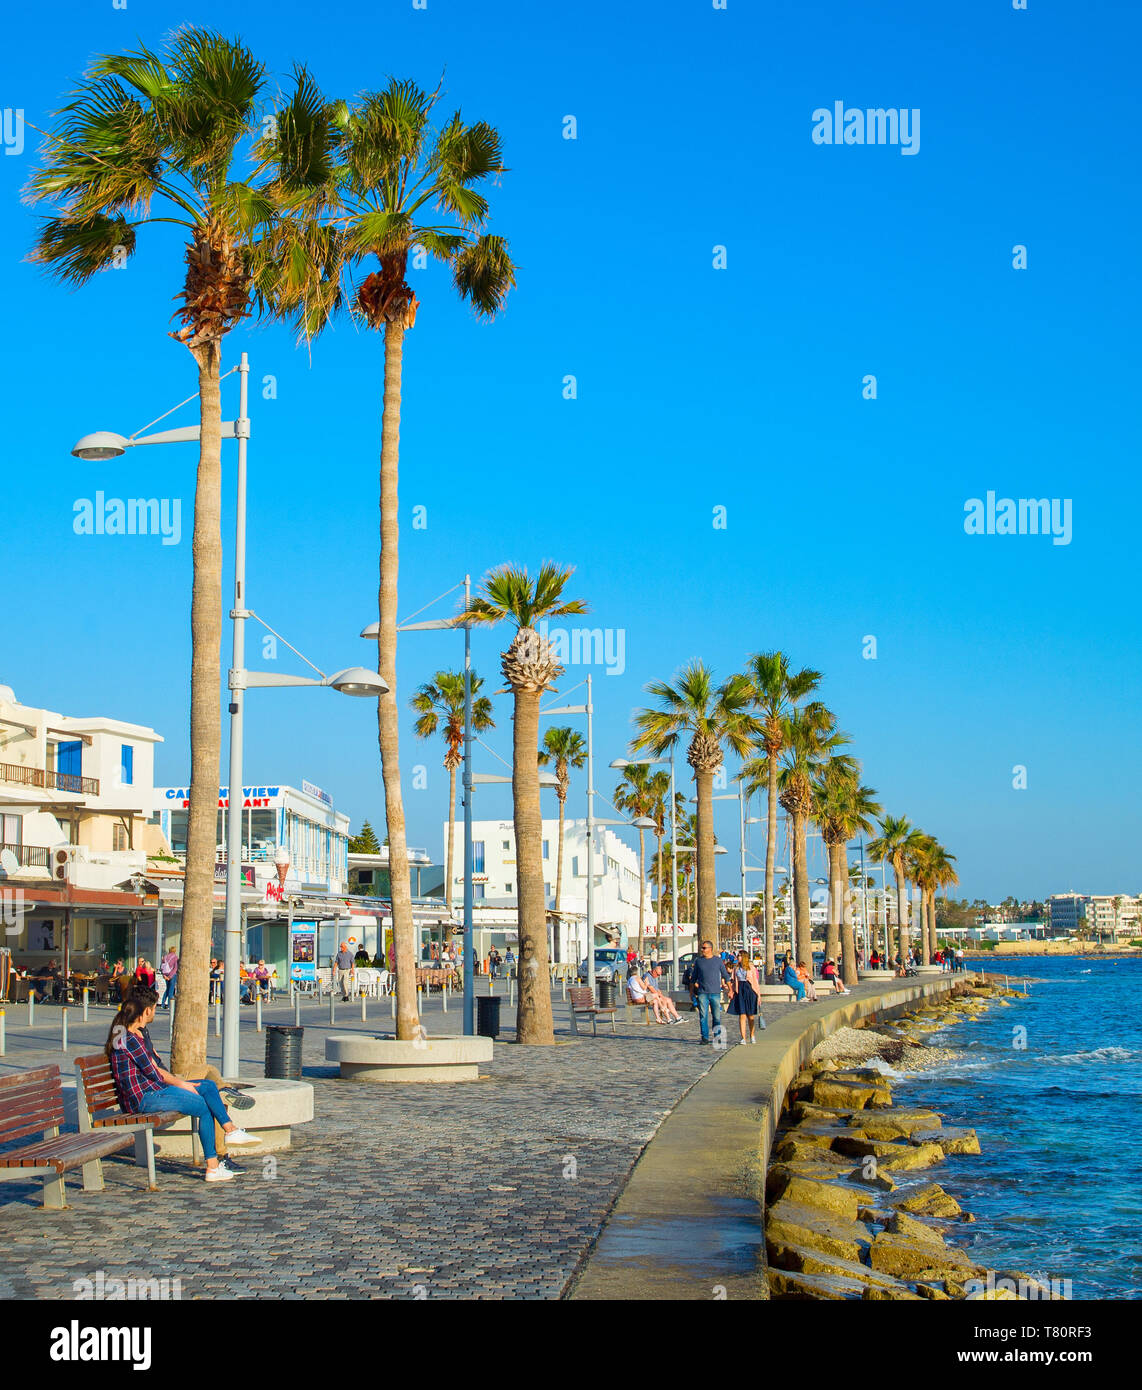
{"x": 795, "y": 984}
{"x": 709, "y": 1011}
{"x": 204, "y": 1108}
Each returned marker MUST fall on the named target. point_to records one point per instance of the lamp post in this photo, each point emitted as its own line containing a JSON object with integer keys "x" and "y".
{"x": 352, "y": 681}
{"x": 618, "y": 765}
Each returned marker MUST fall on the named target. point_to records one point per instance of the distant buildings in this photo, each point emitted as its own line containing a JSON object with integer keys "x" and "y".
{"x": 1098, "y": 915}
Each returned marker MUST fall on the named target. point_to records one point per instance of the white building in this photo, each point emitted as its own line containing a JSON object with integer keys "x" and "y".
{"x": 495, "y": 878}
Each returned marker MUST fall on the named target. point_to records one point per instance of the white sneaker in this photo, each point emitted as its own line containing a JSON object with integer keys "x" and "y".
{"x": 220, "y": 1174}
{"x": 237, "y": 1137}
{"x": 753, "y": 1040}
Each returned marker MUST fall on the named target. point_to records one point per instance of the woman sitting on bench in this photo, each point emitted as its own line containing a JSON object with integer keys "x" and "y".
{"x": 641, "y": 992}
{"x": 145, "y": 1088}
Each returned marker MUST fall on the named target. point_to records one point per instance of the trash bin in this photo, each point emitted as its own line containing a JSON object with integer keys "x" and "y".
{"x": 283, "y": 1051}
{"x": 488, "y": 1016}
{"x": 607, "y": 993}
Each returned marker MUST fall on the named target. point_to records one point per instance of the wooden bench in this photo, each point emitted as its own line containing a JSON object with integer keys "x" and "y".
{"x": 31, "y": 1102}
{"x": 582, "y": 999}
{"x": 643, "y": 1004}
{"x": 99, "y": 1109}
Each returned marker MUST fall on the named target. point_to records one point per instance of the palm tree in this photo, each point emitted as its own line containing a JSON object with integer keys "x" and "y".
{"x": 920, "y": 866}
{"x": 776, "y": 691}
{"x": 712, "y": 717}
{"x": 891, "y": 846}
{"x": 844, "y": 808}
{"x": 658, "y": 795}
{"x": 530, "y": 668}
{"x": 566, "y": 749}
{"x": 634, "y": 797}
{"x": 810, "y": 736}
{"x": 440, "y": 704}
{"x": 943, "y": 877}
{"x": 368, "y": 183}
{"x": 152, "y": 138}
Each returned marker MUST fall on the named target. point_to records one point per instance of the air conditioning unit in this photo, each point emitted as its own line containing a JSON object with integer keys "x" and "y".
{"x": 62, "y": 860}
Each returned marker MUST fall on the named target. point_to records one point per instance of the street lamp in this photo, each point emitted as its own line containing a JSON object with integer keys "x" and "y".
{"x": 354, "y": 680}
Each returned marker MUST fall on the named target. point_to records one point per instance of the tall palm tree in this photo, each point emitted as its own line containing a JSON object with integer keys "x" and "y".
{"x": 776, "y": 691}
{"x": 634, "y": 797}
{"x": 944, "y": 876}
{"x": 147, "y": 138}
{"x": 440, "y": 704}
{"x": 891, "y": 846}
{"x": 712, "y": 716}
{"x": 844, "y": 808}
{"x": 658, "y": 796}
{"x": 810, "y": 736}
{"x": 530, "y": 668}
{"x": 367, "y": 183}
{"x": 920, "y": 867}
{"x": 565, "y": 748}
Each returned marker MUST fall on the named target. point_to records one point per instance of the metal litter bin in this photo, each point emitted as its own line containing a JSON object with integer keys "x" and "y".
{"x": 283, "y": 1051}
{"x": 607, "y": 992}
{"x": 488, "y": 1016}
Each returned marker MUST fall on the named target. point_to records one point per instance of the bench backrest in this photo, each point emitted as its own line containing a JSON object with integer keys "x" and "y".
{"x": 30, "y": 1102}
{"x": 581, "y": 997}
{"x": 99, "y": 1091}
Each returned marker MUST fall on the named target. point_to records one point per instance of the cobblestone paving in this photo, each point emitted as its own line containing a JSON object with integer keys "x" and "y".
{"x": 491, "y": 1189}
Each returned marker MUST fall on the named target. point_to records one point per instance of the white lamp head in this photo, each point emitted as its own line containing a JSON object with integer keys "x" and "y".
{"x": 355, "y": 680}
{"x": 372, "y": 631}
{"x": 103, "y": 444}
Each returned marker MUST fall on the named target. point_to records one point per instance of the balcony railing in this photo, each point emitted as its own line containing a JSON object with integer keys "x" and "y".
{"x": 30, "y": 856}
{"x": 51, "y": 781}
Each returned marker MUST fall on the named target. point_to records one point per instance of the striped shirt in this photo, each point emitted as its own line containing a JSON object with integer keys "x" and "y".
{"x": 135, "y": 1072}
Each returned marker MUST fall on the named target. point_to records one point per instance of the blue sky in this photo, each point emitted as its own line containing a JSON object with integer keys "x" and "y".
{"x": 697, "y": 388}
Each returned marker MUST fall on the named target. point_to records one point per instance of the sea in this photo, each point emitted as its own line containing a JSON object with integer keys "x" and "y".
{"x": 1053, "y": 1087}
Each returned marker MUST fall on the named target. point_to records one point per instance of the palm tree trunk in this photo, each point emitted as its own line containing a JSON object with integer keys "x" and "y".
{"x": 188, "y": 1045}
{"x": 770, "y": 861}
{"x": 658, "y": 906}
{"x": 559, "y": 861}
{"x": 836, "y": 908}
{"x": 932, "y": 925}
{"x": 451, "y": 840}
{"x": 901, "y": 908}
{"x": 533, "y": 1012}
{"x": 801, "y": 892}
{"x": 707, "y": 886}
{"x": 400, "y": 888}
{"x": 925, "y": 894}
{"x": 849, "y": 972}
{"x": 641, "y": 889}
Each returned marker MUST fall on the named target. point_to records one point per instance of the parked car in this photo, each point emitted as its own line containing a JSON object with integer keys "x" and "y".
{"x": 610, "y": 963}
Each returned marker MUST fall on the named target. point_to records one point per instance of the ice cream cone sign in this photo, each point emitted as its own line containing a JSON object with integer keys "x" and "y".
{"x": 281, "y": 863}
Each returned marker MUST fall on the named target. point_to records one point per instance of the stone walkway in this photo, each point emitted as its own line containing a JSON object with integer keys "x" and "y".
{"x": 490, "y": 1189}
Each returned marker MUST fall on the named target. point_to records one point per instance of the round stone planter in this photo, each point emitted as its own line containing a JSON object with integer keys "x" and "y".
{"x": 929, "y": 970}
{"x": 428, "y": 1060}
{"x": 277, "y": 1106}
{"x": 881, "y": 975}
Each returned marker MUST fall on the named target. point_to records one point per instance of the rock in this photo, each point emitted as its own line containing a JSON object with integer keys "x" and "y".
{"x": 952, "y": 1140}
{"x": 894, "y": 1124}
{"x": 790, "y": 1149}
{"x": 865, "y": 1076}
{"x": 801, "y": 1087}
{"x": 873, "y": 1216}
{"x": 803, "y": 1110}
{"x": 791, "y": 1223}
{"x": 783, "y": 1182}
{"x": 912, "y": 1157}
{"x": 930, "y": 1199}
{"x": 881, "y": 1181}
{"x": 994, "y": 1295}
{"x": 896, "y": 1293}
{"x": 857, "y": 1146}
{"x": 909, "y": 1259}
{"x": 789, "y": 1284}
{"x": 803, "y": 1260}
{"x": 853, "y": 1095}
{"x": 901, "y": 1224}
{"x": 934, "y": 1290}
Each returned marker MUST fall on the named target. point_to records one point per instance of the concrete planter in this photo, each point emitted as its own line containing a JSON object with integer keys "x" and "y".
{"x": 927, "y": 971}
{"x": 278, "y": 1105}
{"x": 384, "y": 1059}
{"x": 881, "y": 976}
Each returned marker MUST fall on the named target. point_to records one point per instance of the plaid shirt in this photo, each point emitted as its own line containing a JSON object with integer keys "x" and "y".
{"x": 135, "y": 1072}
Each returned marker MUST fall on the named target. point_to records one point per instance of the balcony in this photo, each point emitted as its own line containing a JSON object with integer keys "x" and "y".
{"x": 22, "y": 776}
{"x": 30, "y": 856}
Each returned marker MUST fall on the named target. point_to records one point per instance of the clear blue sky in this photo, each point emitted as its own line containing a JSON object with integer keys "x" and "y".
{"x": 696, "y": 388}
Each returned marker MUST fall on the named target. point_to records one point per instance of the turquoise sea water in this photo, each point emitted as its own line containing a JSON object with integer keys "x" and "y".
{"x": 1058, "y": 1188}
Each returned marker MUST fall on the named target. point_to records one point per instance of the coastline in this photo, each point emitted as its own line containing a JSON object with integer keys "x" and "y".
{"x": 853, "y": 1207}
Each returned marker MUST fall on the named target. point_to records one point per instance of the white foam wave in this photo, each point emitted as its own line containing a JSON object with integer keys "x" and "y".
{"x": 1098, "y": 1054}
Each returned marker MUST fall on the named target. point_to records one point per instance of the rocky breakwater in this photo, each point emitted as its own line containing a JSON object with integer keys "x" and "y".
{"x": 852, "y": 1212}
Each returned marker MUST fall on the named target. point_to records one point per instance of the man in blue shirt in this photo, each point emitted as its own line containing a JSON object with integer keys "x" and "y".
{"x": 706, "y": 976}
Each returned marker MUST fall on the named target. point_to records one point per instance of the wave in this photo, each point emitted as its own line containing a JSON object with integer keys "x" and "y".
{"x": 1098, "y": 1054}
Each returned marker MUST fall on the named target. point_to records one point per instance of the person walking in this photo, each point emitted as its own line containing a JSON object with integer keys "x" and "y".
{"x": 343, "y": 963}
{"x": 745, "y": 990}
{"x": 707, "y": 974}
{"x": 168, "y": 972}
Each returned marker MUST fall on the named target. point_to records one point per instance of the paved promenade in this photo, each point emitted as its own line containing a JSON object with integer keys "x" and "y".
{"x": 490, "y": 1189}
